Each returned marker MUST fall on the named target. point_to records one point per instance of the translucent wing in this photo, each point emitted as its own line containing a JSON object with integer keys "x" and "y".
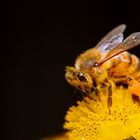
{"x": 131, "y": 41}
{"x": 115, "y": 32}
{"x": 107, "y": 46}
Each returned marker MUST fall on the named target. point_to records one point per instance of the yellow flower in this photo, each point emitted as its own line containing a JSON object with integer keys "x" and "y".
{"x": 94, "y": 120}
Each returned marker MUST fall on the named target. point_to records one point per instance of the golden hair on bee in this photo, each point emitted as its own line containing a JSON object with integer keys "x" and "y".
{"x": 107, "y": 62}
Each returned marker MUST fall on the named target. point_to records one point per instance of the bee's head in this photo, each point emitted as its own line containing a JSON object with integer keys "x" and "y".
{"x": 80, "y": 80}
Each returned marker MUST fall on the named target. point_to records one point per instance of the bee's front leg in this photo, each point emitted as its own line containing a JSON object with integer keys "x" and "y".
{"x": 109, "y": 90}
{"x": 104, "y": 88}
{"x": 109, "y": 101}
{"x": 109, "y": 86}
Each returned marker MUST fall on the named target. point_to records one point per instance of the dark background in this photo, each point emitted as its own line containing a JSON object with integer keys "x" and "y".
{"x": 39, "y": 39}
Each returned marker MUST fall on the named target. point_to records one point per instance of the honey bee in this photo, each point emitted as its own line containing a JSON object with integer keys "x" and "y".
{"x": 107, "y": 62}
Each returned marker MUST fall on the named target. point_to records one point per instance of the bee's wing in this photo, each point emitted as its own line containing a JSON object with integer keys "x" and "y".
{"x": 115, "y": 32}
{"x": 107, "y": 46}
{"x": 114, "y": 49}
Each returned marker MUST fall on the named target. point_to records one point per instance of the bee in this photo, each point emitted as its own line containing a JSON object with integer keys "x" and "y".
{"x": 107, "y": 62}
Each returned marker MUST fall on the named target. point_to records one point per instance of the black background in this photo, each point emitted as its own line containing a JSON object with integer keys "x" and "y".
{"x": 39, "y": 39}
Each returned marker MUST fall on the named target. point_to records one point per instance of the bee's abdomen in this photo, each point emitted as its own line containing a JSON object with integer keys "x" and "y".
{"x": 125, "y": 64}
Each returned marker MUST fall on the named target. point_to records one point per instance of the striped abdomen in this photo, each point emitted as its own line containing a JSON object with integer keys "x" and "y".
{"x": 124, "y": 64}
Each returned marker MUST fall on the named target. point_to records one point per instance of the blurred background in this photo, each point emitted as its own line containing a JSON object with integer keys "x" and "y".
{"x": 40, "y": 38}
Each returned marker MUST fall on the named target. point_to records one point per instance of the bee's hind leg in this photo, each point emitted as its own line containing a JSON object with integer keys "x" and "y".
{"x": 132, "y": 85}
{"x": 122, "y": 81}
{"x": 134, "y": 89}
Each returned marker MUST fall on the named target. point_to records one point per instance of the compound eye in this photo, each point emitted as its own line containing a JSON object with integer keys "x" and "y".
{"x": 81, "y": 77}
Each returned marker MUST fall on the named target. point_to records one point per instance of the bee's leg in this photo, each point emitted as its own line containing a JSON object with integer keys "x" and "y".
{"x": 93, "y": 94}
{"x": 109, "y": 101}
{"x": 131, "y": 84}
{"x": 87, "y": 95}
{"x": 122, "y": 81}
{"x": 134, "y": 89}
